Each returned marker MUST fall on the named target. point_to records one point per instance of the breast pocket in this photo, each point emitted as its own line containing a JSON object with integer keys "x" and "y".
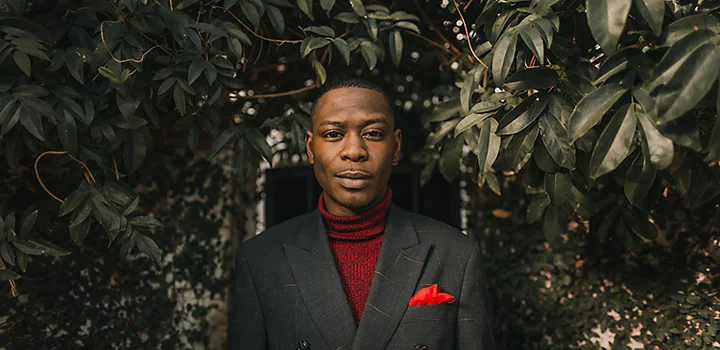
{"x": 426, "y": 313}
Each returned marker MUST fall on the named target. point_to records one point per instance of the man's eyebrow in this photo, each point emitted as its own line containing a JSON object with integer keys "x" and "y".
{"x": 364, "y": 123}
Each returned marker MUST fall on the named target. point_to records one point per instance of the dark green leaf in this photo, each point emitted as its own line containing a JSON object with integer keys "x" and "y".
{"x": 661, "y": 148}
{"x": 179, "y": 99}
{"x": 149, "y": 247}
{"x": 320, "y": 71}
{"x": 449, "y": 162}
{"x": 347, "y": 17}
{"x": 606, "y": 19}
{"x": 30, "y": 248}
{"x": 222, "y": 141}
{"x": 555, "y": 139}
{"x": 327, "y": 5}
{"x": 520, "y": 148}
{"x": 590, "y": 110}
{"x": 469, "y": 121}
{"x": 166, "y": 85}
{"x": 71, "y": 202}
{"x": 652, "y": 12}
{"x": 537, "y": 207}
{"x": 250, "y": 12}
{"x": 533, "y": 39}
{"x": 396, "y": 46}
{"x": 493, "y": 183}
{"x": 23, "y": 62}
{"x": 673, "y": 62}
{"x": 503, "y": 57}
{"x": 321, "y": 30}
{"x": 74, "y": 63}
{"x": 408, "y": 25}
{"x": 235, "y": 48}
{"x": 358, "y": 7}
{"x": 533, "y": 78}
{"x": 7, "y": 253}
{"x": 638, "y": 223}
{"x": 50, "y": 249}
{"x": 488, "y": 147}
{"x": 523, "y": 115}
{"x": 306, "y": 7}
{"x": 639, "y": 179}
{"x": 196, "y": 68}
{"x": 466, "y": 91}
{"x": 312, "y": 43}
{"x": 557, "y": 186}
{"x": 276, "y": 18}
{"x": 257, "y": 140}
{"x": 368, "y": 52}
{"x": 555, "y": 225}
{"x": 342, "y": 46}
{"x": 561, "y": 108}
{"x": 146, "y": 221}
{"x": 690, "y": 85}
{"x": 620, "y": 61}
{"x": 28, "y": 223}
{"x": 32, "y": 122}
{"x": 8, "y": 275}
{"x": 67, "y": 132}
{"x": 686, "y": 25}
{"x": 614, "y": 143}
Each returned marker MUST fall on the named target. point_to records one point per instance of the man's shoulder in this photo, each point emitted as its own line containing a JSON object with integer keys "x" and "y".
{"x": 275, "y": 236}
{"x": 439, "y": 232}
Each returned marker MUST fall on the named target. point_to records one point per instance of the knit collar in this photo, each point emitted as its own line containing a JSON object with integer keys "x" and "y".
{"x": 367, "y": 224}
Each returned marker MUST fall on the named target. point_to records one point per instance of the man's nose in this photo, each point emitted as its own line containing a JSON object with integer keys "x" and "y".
{"x": 354, "y": 149}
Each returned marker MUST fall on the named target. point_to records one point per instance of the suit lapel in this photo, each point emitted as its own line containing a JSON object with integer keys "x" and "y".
{"x": 318, "y": 280}
{"x": 398, "y": 269}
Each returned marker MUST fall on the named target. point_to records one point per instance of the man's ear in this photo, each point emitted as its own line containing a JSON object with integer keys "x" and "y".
{"x": 308, "y": 147}
{"x": 398, "y": 140}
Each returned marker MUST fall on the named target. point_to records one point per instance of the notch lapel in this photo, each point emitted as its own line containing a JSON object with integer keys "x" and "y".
{"x": 398, "y": 269}
{"x": 318, "y": 281}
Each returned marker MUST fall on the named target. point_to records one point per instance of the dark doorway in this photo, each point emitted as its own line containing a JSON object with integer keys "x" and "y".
{"x": 294, "y": 191}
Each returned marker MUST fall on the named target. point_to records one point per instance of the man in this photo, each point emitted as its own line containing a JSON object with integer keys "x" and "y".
{"x": 358, "y": 272}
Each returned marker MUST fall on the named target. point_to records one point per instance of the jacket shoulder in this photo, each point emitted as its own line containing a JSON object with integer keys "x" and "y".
{"x": 275, "y": 236}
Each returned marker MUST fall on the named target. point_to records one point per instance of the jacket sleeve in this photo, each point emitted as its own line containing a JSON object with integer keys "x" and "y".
{"x": 475, "y": 330}
{"x": 246, "y": 326}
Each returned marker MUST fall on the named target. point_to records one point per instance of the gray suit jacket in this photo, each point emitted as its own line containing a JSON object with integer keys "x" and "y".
{"x": 287, "y": 289}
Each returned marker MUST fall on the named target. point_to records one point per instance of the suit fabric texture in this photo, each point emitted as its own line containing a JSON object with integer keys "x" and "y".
{"x": 287, "y": 290}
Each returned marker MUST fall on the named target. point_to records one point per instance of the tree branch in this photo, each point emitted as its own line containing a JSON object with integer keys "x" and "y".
{"x": 467, "y": 34}
{"x": 278, "y": 41}
{"x": 286, "y": 93}
{"x": 88, "y": 173}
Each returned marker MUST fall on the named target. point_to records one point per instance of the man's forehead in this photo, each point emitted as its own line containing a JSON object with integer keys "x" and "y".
{"x": 352, "y": 104}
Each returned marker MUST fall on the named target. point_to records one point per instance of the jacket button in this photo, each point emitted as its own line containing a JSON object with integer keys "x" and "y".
{"x": 303, "y": 345}
{"x": 421, "y": 347}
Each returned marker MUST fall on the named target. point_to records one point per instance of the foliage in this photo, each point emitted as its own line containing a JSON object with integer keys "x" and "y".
{"x": 605, "y": 110}
{"x": 573, "y": 296}
{"x": 94, "y": 300}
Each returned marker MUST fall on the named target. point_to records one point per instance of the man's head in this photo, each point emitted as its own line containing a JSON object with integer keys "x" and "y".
{"x": 353, "y": 145}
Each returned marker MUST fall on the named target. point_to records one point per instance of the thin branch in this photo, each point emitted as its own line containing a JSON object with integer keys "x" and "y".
{"x": 428, "y": 40}
{"x": 124, "y": 19}
{"x": 467, "y": 5}
{"x": 278, "y": 41}
{"x": 88, "y": 173}
{"x": 102, "y": 37}
{"x": 469, "y": 41}
{"x": 13, "y": 291}
{"x": 434, "y": 29}
{"x": 117, "y": 173}
{"x": 82, "y": 9}
{"x": 286, "y": 93}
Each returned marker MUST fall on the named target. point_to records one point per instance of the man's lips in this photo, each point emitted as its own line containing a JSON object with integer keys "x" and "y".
{"x": 353, "y": 179}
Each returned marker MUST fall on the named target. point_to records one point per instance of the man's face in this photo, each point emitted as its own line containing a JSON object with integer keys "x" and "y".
{"x": 352, "y": 147}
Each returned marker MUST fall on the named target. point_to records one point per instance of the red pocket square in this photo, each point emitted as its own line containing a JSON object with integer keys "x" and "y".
{"x": 431, "y": 296}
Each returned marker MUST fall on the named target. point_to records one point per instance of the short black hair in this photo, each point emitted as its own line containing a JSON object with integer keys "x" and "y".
{"x": 353, "y": 83}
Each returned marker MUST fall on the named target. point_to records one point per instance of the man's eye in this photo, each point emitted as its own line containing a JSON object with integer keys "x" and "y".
{"x": 374, "y": 134}
{"x": 332, "y": 134}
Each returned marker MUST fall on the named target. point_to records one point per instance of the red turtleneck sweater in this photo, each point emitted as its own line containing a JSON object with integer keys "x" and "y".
{"x": 355, "y": 243}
